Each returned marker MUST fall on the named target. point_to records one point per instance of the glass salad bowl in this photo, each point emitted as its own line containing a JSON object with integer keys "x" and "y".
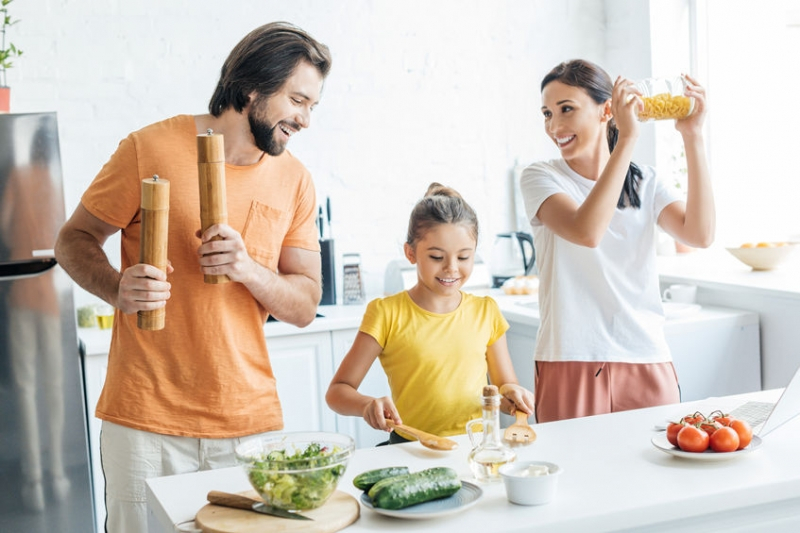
{"x": 295, "y": 471}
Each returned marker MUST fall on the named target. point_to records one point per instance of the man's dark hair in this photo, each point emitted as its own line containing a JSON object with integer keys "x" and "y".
{"x": 263, "y": 61}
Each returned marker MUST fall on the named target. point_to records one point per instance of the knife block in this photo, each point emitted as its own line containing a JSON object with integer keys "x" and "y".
{"x": 328, "y": 272}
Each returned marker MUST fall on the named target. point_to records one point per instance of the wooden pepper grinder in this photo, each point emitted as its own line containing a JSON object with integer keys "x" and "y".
{"x": 153, "y": 242}
{"x": 211, "y": 171}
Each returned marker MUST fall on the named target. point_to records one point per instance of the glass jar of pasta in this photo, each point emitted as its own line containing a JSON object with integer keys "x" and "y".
{"x": 664, "y": 98}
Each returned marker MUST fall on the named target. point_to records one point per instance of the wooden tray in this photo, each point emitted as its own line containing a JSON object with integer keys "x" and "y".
{"x": 339, "y": 511}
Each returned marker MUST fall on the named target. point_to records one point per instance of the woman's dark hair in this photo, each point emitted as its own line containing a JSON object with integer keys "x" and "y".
{"x": 441, "y": 205}
{"x": 263, "y": 61}
{"x": 597, "y": 84}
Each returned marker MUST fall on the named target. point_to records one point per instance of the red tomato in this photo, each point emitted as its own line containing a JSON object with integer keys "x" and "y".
{"x": 672, "y": 432}
{"x": 724, "y": 439}
{"x": 692, "y": 439}
{"x": 710, "y": 426}
{"x": 744, "y": 431}
{"x": 696, "y": 418}
{"x": 724, "y": 420}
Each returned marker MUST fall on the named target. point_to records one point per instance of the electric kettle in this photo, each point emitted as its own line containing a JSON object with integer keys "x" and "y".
{"x": 513, "y": 255}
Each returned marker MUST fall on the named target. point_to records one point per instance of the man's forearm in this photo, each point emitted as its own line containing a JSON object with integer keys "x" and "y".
{"x": 84, "y": 259}
{"x": 291, "y": 298}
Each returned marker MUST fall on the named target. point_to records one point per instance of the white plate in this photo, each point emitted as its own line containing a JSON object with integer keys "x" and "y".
{"x": 660, "y": 441}
{"x": 678, "y": 309}
{"x": 467, "y": 496}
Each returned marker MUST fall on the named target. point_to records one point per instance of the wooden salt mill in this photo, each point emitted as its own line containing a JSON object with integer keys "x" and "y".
{"x": 153, "y": 241}
{"x": 211, "y": 173}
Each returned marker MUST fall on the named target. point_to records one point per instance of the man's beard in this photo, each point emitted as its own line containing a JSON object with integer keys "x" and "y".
{"x": 264, "y": 136}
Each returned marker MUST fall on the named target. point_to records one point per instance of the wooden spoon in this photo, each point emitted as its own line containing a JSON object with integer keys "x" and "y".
{"x": 520, "y": 432}
{"x": 428, "y": 440}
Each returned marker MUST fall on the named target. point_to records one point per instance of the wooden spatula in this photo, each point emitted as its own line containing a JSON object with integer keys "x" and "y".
{"x": 428, "y": 440}
{"x": 520, "y": 432}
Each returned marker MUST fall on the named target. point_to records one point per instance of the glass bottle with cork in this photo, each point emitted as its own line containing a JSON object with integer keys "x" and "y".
{"x": 489, "y": 452}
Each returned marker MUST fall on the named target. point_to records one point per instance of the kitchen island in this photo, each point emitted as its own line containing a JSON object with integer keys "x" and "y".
{"x": 613, "y": 479}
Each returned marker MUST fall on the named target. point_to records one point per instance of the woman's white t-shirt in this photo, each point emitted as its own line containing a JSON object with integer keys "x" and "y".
{"x": 603, "y": 303}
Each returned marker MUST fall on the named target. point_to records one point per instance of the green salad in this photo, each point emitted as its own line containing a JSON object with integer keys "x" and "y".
{"x": 297, "y": 480}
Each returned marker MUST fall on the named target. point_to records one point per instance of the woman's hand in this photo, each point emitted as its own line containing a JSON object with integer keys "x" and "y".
{"x": 516, "y": 398}
{"x": 626, "y": 102}
{"x": 693, "y": 124}
{"x": 378, "y": 410}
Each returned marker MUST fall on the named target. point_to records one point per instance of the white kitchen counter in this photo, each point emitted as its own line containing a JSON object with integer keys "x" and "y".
{"x": 334, "y": 317}
{"x": 613, "y": 479}
{"x": 775, "y": 295}
{"x": 715, "y": 267}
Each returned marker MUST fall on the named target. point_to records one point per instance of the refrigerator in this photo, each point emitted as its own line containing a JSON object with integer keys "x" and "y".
{"x": 44, "y": 451}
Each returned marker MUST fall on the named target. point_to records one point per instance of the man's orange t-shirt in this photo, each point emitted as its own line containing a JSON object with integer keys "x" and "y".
{"x": 207, "y": 374}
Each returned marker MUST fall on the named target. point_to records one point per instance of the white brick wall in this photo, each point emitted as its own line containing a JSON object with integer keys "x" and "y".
{"x": 420, "y": 90}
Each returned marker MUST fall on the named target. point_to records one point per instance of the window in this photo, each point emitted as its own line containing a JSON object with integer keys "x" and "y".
{"x": 747, "y": 56}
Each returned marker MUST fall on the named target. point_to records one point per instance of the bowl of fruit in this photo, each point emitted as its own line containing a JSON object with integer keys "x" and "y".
{"x": 764, "y": 255}
{"x": 295, "y": 471}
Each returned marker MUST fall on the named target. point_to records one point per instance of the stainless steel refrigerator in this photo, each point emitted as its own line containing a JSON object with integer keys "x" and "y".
{"x": 44, "y": 452}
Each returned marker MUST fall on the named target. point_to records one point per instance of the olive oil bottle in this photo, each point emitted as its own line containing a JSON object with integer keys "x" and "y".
{"x": 488, "y": 452}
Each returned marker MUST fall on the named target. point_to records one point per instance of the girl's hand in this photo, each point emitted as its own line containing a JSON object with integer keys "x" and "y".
{"x": 378, "y": 410}
{"x": 693, "y": 124}
{"x": 626, "y": 102}
{"x": 516, "y": 398}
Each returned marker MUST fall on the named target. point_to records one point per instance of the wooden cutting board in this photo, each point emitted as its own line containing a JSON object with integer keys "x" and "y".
{"x": 339, "y": 511}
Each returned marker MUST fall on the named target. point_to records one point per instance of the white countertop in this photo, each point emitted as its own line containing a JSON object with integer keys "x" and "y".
{"x": 717, "y": 267}
{"x": 522, "y": 309}
{"x": 614, "y": 478}
{"x": 525, "y": 310}
{"x": 334, "y": 317}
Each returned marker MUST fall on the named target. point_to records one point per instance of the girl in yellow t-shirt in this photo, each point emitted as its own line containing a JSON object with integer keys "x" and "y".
{"x": 436, "y": 343}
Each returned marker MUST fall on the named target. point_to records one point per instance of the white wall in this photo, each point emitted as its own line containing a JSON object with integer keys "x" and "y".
{"x": 420, "y": 90}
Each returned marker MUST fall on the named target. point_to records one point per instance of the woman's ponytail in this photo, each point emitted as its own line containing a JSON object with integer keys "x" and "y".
{"x": 630, "y": 189}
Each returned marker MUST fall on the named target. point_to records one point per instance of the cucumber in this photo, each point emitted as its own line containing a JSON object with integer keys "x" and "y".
{"x": 405, "y": 490}
{"x": 366, "y": 480}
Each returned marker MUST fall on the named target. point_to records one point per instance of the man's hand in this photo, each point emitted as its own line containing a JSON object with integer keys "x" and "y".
{"x": 143, "y": 288}
{"x": 226, "y": 255}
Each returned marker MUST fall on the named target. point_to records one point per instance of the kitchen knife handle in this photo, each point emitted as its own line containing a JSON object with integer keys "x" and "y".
{"x": 231, "y": 500}
{"x": 328, "y": 214}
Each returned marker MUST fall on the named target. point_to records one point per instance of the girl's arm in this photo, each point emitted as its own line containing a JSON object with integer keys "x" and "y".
{"x": 586, "y": 224}
{"x": 501, "y": 373}
{"x": 693, "y": 223}
{"x": 343, "y": 396}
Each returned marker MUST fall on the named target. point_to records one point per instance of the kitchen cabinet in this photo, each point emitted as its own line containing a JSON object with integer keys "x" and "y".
{"x": 521, "y": 344}
{"x": 774, "y": 294}
{"x": 95, "y": 363}
{"x": 716, "y": 350}
{"x": 303, "y": 368}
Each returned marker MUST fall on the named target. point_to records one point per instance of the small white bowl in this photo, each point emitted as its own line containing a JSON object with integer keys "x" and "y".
{"x": 763, "y": 258}
{"x": 527, "y": 483}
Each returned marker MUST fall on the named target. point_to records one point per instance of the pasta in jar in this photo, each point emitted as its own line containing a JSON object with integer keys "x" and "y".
{"x": 663, "y": 99}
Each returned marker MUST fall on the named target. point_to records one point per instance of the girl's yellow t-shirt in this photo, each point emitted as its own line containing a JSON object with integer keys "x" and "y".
{"x": 435, "y": 363}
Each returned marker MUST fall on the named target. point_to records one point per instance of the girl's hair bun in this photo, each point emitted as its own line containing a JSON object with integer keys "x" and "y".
{"x": 437, "y": 189}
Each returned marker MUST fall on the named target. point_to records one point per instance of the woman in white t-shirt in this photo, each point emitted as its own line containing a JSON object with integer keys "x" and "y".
{"x": 601, "y": 346}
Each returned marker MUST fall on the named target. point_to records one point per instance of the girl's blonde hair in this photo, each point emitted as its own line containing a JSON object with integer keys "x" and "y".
{"x": 441, "y": 205}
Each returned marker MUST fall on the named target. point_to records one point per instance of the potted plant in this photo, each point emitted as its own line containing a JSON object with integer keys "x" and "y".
{"x": 6, "y": 55}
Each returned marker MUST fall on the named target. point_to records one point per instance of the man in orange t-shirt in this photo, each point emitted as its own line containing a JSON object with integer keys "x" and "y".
{"x": 179, "y": 399}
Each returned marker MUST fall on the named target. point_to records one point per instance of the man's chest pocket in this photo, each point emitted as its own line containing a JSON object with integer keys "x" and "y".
{"x": 263, "y": 233}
